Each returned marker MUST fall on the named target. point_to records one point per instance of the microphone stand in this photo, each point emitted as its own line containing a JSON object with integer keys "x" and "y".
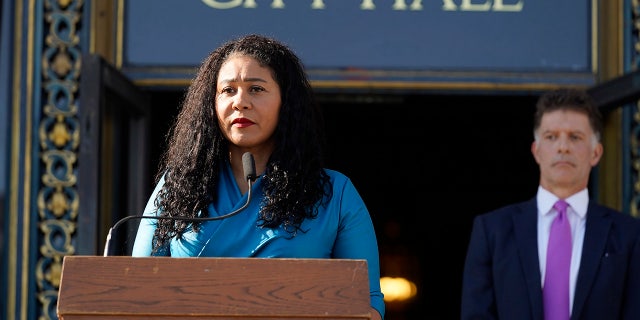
{"x": 250, "y": 172}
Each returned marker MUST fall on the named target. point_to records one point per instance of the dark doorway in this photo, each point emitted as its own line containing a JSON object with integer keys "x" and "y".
{"x": 425, "y": 165}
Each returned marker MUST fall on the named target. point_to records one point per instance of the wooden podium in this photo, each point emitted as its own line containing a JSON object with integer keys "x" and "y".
{"x": 96, "y": 287}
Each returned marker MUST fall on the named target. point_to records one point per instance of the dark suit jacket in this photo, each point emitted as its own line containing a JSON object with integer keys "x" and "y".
{"x": 502, "y": 275}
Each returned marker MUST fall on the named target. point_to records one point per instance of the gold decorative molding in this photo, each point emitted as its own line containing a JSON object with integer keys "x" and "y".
{"x": 59, "y": 138}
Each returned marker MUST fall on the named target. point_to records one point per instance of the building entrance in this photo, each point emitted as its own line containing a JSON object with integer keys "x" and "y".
{"x": 425, "y": 166}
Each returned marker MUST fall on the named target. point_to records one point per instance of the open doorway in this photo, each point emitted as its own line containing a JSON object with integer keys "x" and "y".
{"x": 425, "y": 165}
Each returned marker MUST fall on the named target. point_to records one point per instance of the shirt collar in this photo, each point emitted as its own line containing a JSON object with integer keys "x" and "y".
{"x": 578, "y": 201}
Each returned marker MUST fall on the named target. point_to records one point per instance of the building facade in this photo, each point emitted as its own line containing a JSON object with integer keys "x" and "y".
{"x": 87, "y": 89}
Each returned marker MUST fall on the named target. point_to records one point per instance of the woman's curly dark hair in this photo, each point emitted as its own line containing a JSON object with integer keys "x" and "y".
{"x": 294, "y": 182}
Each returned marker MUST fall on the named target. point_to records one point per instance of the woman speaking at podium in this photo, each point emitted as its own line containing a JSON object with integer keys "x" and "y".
{"x": 251, "y": 96}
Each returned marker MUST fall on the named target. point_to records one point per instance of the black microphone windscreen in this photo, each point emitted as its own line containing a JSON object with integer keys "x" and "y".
{"x": 249, "y": 166}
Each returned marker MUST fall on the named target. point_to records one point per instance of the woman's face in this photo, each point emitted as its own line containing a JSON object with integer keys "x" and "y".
{"x": 247, "y": 103}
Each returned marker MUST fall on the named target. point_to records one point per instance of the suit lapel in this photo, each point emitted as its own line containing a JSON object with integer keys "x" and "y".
{"x": 526, "y": 233}
{"x": 595, "y": 239}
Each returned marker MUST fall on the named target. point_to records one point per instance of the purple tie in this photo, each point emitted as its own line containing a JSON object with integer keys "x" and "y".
{"x": 556, "y": 281}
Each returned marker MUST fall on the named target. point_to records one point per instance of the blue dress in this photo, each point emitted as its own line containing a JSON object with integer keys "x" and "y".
{"x": 342, "y": 230}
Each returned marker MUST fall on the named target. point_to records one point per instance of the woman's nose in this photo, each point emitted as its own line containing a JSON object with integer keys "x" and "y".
{"x": 242, "y": 100}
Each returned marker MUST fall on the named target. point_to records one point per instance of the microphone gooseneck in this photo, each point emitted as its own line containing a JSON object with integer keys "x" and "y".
{"x": 249, "y": 168}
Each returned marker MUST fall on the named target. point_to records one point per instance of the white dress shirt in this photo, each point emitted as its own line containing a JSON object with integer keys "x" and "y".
{"x": 577, "y": 215}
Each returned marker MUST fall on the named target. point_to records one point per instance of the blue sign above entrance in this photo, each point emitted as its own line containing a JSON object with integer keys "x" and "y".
{"x": 355, "y": 40}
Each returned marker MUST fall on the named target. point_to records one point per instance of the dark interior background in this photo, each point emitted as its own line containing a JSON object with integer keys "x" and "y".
{"x": 425, "y": 165}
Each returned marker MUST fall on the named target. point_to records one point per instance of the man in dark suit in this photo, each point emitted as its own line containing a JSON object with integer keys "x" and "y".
{"x": 506, "y": 263}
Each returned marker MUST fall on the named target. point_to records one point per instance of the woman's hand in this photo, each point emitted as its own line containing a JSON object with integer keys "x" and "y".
{"x": 375, "y": 315}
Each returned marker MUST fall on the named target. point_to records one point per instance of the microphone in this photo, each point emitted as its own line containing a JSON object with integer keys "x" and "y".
{"x": 249, "y": 169}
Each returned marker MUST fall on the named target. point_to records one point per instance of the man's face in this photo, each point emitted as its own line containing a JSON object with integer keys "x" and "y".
{"x": 565, "y": 149}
